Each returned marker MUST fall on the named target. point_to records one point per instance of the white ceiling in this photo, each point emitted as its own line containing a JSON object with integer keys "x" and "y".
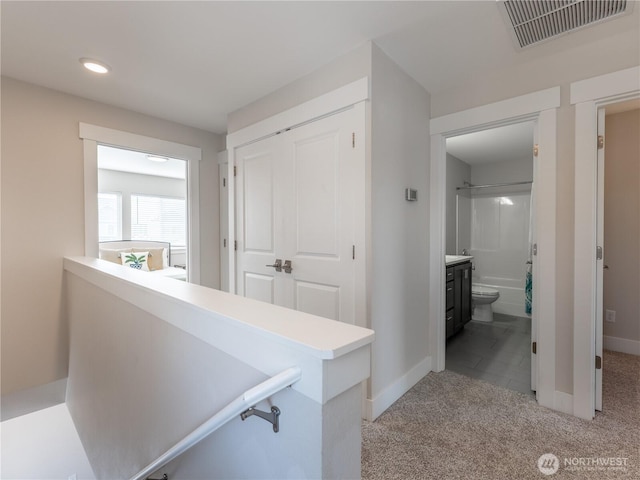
{"x": 195, "y": 62}
{"x": 501, "y": 144}
{"x": 110, "y": 158}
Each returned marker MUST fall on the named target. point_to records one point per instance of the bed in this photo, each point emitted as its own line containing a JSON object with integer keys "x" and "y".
{"x": 148, "y": 256}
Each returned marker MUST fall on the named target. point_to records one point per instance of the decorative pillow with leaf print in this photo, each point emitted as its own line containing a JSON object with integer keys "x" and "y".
{"x": 136, "y": 260}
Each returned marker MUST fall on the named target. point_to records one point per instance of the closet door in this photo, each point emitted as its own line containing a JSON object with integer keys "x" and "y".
{"x": 297, "y": 196}
{"x": 259, "y": 220}
{"x": 322, "y": 168}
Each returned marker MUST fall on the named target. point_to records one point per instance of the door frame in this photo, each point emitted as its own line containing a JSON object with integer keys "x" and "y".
{"x": 327, "y": 104}
{"x": 541, "y": 107}
{"x": 92, "y": 136}
{"x": 588, "y": 96}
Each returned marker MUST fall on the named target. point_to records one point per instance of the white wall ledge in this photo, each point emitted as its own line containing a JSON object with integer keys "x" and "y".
{"x": 267, "y": 337}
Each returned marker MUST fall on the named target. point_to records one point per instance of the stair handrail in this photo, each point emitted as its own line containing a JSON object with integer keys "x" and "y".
{"x": 248, "y": 399}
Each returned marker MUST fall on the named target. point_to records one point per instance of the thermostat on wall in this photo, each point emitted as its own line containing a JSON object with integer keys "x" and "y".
{"x": 410, "y": 194}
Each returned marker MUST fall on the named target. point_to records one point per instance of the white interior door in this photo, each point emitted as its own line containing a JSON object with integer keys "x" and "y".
{"x": 320, "y": 217}
{"x": 599, "y": 263}
{"x": 296, "y": 203}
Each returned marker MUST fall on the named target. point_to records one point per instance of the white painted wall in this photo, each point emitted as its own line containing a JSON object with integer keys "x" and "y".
{"x": 43, "y": 217}
{"x": 617, "y": 49}
{"x": 622, "y": 228}
{"x": 399, "y": 232}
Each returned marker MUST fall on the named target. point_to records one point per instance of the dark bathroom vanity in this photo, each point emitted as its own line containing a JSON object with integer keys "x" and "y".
{"x": 458, "y": 294}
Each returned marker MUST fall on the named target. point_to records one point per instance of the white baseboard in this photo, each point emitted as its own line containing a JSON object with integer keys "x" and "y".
{"x": 373, "y": 408}
{"x": 563, "y": 402}
{"x": 622, "y": 345}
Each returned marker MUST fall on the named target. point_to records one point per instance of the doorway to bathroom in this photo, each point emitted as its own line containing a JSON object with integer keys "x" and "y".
{"x": 489, "y": 218}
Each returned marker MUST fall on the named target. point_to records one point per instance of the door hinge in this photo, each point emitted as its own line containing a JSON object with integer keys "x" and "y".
{"x": 235, "y": 245}
{"x": 600, "y": 142}
{"x": 353, "y": 252}
{"x": 535, "y": 150}
{"x": 235, "y": 171}
{"x": 224, "y": 182}
{"x": 353, "y": 140}
{"x": 224, "y": 243}
{"x": 598, "y": 362}
{"x": 534, "y": 347}
{"x": 535, "y": 249}
{"x": 598, "y": 253}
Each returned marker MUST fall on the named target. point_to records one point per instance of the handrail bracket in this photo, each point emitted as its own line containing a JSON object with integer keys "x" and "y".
{"x": 272, "y": 418}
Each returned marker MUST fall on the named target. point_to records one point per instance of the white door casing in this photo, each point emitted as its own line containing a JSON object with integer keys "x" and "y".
{"x": 93, "y": 135}
{"x": 599, "y": 264}
{"x": 540, "y": 106}
{"x": 296, "y": 202}
{"x": 587, "y": 96}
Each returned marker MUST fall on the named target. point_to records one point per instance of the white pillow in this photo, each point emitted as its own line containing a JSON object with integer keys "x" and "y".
{"x": 113, "y": 255}
{"x": 136, "y": 260}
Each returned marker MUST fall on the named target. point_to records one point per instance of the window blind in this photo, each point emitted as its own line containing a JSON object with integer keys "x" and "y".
{"x": 158, "y": 218}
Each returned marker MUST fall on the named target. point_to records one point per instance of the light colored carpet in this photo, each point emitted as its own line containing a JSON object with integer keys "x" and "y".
{"x": 454, "y": 427}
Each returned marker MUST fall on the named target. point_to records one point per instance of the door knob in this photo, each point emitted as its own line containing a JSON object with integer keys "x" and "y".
{"x": 277, "y": 265}
{"x": 287, "y": 266}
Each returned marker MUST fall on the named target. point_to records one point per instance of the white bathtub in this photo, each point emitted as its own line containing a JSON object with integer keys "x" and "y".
{"x": 512, "y": 299}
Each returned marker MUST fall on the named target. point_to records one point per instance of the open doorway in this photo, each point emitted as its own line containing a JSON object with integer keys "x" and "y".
{"x": 142, "y": 201}
{"x": 95, "y": 136}
{"x": 618, "y": 329}
{"x": 489, "y": 220}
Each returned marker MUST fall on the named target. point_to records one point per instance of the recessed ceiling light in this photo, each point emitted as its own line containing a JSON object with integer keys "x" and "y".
{"x": 156, "y": 158}
{"x": 94, "y": 65}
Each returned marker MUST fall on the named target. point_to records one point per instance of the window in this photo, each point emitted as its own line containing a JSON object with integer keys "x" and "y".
{"x": 158, "y": 218}
{"x": 110, "y": 220}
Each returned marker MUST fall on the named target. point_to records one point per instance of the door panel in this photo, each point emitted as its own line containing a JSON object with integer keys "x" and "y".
{"x": 259, "y": 287}
{"x": 317, "y": 299}
{"x": 316, "y": 167}
{"x": 258, "y": 202}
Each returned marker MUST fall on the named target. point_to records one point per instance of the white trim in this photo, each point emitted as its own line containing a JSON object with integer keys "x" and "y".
{"x": 588, "y": 95}
{"x": 92, "y": 135}
{"x": 564, "y": 402}
{"x": 333, "y": 101}
{"x": 546, "y": 189}
{"x": 511, "y": 108}
{"x": 623, "y": 345}
{"x": 622, "y": 82}
{"x": 141, "y": 143}
{"x": 344, "y": 97}
{"x": 538, "y": 105}
{"x": 375, "y": 407}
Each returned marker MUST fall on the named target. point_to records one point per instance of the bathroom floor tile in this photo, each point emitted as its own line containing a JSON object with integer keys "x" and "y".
{"x": 498, "y": 352}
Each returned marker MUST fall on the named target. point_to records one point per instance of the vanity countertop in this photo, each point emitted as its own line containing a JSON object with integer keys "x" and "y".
{"x": 455, "y": 259}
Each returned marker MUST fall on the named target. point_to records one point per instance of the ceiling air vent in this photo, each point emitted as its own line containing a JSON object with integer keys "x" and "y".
{"x": 534, "y": 21}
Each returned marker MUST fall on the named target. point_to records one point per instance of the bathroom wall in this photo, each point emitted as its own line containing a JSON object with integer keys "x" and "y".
{"x": 500, "y": 230}
{"x": 458, "y": 172}
{"x": 622, "y": 231}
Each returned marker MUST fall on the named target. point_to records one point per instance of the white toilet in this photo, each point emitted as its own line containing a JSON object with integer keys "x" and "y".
{"x": 482, "y": 297}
